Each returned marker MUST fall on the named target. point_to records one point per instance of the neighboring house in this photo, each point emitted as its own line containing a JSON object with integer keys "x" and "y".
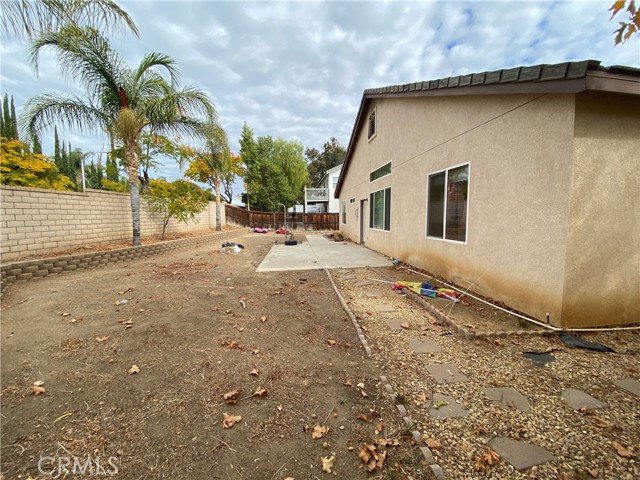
{"x": 321, "y": 199}
{"x": 520, "y": 184}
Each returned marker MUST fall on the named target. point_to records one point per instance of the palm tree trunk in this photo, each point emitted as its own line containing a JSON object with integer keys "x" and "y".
{"x": 218, "y": 207}
{"x": 131, "y": 154}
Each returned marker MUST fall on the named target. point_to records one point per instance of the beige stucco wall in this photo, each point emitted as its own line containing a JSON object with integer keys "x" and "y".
{"x": 602, "y": 273}
{"x": 520, "y": 150}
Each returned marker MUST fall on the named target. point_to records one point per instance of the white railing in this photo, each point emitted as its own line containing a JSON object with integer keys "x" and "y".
{"x": 317, "y": 194}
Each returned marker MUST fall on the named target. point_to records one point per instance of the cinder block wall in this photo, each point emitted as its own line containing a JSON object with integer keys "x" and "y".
{"x": 35, "y": 221}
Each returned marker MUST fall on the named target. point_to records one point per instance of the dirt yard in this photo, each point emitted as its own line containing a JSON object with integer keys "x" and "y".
{"x": 144, "y": 365}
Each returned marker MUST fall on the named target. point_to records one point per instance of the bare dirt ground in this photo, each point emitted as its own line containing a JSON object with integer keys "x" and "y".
{"x": 197, "y": 324}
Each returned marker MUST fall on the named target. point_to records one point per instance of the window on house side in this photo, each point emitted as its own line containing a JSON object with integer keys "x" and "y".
{"x": 383, "y": 171}
{"x": 344, "y": 212}
{"x": 380, "y": 209}
{"x": 372, "y": 124}
{"x": 334, "y": 182}
{"x": 447, "y": 204}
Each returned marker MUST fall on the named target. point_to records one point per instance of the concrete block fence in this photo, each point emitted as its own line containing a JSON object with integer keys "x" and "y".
{"x": 35, "y": 221}
{"x": 30, "y": 269}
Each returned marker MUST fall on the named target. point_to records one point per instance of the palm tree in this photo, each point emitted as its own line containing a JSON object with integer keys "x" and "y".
{"x": 119, "y": 100}
{"x": 29, "y": 18}
{"x": 213, "y": 163}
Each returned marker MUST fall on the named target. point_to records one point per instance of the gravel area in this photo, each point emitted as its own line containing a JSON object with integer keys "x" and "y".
{"x": 602, "y": 444}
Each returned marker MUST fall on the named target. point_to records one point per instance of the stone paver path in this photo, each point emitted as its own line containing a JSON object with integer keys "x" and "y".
{"x": 395, "y": 323}
{"x": 447, "y": 373}
{"x": 445, "y": 406}
{"x": 424, "y": 346}
{"x": 508, "y": 397}
{"x": 577, "y": 399}
{"x": 384, "y": 308}
{"x": 629, "y": 384}
{"x": 521, "y": 455}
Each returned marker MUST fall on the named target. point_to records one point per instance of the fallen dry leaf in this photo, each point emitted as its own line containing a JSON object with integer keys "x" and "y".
{"x": 327, "y": 463}
{"x": 622, "y": 451}
{"x": 37, "y": 390}
{"x": 405, "y": 325}
{"x": 371, "y": 457}
{"x": 360, "y": 385}
{"x": 346, "y": 345}
{"x": 38, "y": 383}
{"x": 432, "y": 443}
{"x": 231, "y": 397}
{"x": 65, "y": 314}
{"x": 420, "y": 399}
{"x": 134, "y": 369}
{"x": 363, "y": 393}
{"x": 387, "y": 442}
{"x": 332, "y": 342}
{"x": 102, "y": 339}
{"x": 263, "y": 319}
{"x": 363, "y": 418}
{"x": 319, "y": 431}
{"x": 230, "y": 420}
{"x": 253, "y": 372}
{"x": 380, "y": 427}
{"x": 347, "y": 383}
{"x": 255, "y": 351}
{"x": 261, "y": 392}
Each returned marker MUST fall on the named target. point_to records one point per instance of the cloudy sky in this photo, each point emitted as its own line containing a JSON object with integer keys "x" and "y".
{"x": 298, "y": 69}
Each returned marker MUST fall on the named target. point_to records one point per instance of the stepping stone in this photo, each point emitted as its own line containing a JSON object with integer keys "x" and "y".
{"x": 424, "y": 346}
{"x": 371, "y": 295}
{"x": 395, "y": 323}
{"x": 363, "y": 283}
{"x": 447, "y": 373}
{"x": 384, "y": 308}
{"x": 448, "y": 407}
{"x": 630, "y": 385}
{"x": 508, "y": 397}
{"x": 521, "y": 455}
{"x": 577, "y": 399}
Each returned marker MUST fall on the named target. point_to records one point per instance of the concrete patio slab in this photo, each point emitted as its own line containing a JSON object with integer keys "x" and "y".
{"x": 318, "y": 252}
{"x": 508, "y": 397}
{"x": 521, "y": 455}
{"x": 447, "y": 373}
{"x": 384, "y": 308}
{"x": 577, "y": 399}
{"x": 424, "y": 346}
{"x": 445, "y": 406}
{"x": 629, "y": 384}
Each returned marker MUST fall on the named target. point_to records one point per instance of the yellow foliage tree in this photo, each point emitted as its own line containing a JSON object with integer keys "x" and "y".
{"x": 629, "y": 27}
{"x": 20, "y": 167}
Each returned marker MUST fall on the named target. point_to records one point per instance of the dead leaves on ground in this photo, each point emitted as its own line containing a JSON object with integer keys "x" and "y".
{"x": 372, "y": 457}
{"x": 319, "y": 431}
{"x": 327, "y": 463}
{"x": 231, "y": 398}
{"x": 432, "y": 443}
{"x": 486, "y": 460}
{"x": 37, "y": 390}
{"x": 622, "y": 451}
{"x": 229, "y": 421}
{"x": 134, "y": 369}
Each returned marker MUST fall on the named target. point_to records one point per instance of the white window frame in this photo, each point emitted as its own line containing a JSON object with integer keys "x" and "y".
{"x": 444, "y": 225}
{"x": 373, "y": 113}
{"x": 384, "y": 209}
{"x": 390, "y": 163}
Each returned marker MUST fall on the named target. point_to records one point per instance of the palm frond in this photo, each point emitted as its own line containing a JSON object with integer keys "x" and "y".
{"x": 155, "y": 60}
{"x": 44, "y": 111}
{"x": 29, "y": 18}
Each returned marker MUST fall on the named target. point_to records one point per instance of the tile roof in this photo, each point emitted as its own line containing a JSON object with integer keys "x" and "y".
{"x": 536, "y": 73}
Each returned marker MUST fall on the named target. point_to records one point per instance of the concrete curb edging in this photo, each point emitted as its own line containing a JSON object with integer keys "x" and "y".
{"x": 458, "y": 328}
{"x": 436, "y": 470}
{"x": 346, "y": 308}
{"x": 22, "y": 271}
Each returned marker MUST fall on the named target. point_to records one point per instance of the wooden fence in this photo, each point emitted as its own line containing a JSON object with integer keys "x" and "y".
{"x": 275, "y": 220}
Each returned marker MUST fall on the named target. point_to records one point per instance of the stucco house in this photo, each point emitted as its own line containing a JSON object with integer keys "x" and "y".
{"x": 521, "y": 184}
{"x": 321, "y": 198}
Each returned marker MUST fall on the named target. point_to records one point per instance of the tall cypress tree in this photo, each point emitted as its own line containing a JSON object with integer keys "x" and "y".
{"x": 6, "y": 117}
{"x": 14, "y": 121}
{"x": 37, "y": 146}
{"x": 56, "y": 148}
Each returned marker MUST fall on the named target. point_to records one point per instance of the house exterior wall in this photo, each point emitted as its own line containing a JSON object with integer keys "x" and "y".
{"x": 519, "y": 149}
{"x": 602, "y": 273}
{"x": 334, "y": 203}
